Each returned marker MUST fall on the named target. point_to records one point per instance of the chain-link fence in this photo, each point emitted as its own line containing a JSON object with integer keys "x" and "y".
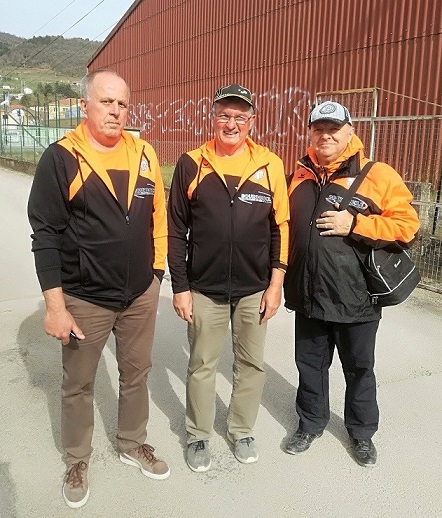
{"x": 427, "y": 250}
{"x": 27, "y": 143}
{"x": 412, "y": 145}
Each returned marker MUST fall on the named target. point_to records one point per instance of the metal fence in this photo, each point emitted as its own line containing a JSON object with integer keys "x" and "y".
{"x": 27, "y": 142}
{"x": 412, "y": 145}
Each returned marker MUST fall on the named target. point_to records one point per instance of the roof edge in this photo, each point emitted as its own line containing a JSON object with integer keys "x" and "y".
{"x": 113, "y": 31}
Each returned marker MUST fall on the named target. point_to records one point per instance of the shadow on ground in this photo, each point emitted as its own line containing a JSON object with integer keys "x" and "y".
{"x": 42, "y": 357}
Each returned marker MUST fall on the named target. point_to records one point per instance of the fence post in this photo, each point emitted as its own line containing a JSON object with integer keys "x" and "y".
{"x": 373, "y": 124}
{"x": 1, "y": 133}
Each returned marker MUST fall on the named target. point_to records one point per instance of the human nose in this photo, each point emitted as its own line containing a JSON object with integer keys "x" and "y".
{"x": 115, "y": 108}
{"x": 231, "y": 123}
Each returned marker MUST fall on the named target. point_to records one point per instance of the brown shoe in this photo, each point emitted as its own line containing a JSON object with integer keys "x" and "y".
{"x": 76, "y": 487}
{"x": 143, "y": 458}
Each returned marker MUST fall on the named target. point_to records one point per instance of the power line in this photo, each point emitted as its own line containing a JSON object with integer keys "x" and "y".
{"x": 48, "y": 22}
{"x": 84, "y": 46}
{"x": 42, "y": 27}
{"x": 57, "y": 37}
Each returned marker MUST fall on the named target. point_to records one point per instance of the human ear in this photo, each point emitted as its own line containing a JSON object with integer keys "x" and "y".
{"x": 83, "y": 106}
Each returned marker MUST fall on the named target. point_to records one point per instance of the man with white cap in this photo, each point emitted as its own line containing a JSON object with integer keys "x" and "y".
{"x": 324, "y": 283}
{"x": 228, "y": 246}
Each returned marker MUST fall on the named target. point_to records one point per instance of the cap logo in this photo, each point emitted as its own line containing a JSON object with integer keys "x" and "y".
{"x": 234, "y": 90}
{"x": 330, "y": 111}
{"x": 327, "y": 109}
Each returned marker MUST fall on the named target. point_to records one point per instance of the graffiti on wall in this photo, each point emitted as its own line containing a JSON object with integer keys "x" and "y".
{"x": 282, "y": 113}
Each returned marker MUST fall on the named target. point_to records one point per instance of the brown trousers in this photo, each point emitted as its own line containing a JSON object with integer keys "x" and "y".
{"x": 133, "y": 328}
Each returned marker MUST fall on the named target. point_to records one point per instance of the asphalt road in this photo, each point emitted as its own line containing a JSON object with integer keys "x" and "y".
{"x": 323, "y": 482}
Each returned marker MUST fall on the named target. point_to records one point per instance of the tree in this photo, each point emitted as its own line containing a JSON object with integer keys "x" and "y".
{"x": 47, "y": 90}
{"x": 27, "y": 100}
{"x": 4, "y": 47}
{"x": 64, "y": 90}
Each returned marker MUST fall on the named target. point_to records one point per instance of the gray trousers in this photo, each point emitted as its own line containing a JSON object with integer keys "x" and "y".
{"x": 206, "y": 336}
{"x": 133, "y": 328}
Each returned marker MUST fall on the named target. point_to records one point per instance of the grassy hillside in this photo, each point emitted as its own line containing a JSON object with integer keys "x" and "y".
{"x": 44, "y": 59}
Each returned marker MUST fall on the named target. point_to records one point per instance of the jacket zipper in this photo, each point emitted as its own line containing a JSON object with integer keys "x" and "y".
{"x": 229, "y": 284}
{"x": 322, "y": 182}
{"x": 232, "y": 201}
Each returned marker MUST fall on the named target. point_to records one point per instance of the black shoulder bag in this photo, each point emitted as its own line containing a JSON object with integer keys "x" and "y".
{"x": 391, "y": 276}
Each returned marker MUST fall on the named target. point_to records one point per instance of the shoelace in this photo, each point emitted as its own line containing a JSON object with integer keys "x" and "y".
{"x": 363, "y": 445}
{"x": 199, "y": 445}
{"x": 246, "y": 440}
{"x": 75, "y": 474}
{"x": 146, "y": 451}
{"x": 303, "y": 435}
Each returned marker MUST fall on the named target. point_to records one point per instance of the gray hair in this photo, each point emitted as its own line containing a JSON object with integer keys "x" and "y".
{"x": 88, "y": 79}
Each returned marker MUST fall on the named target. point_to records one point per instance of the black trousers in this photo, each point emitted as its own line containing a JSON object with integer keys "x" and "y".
{"x": 315, "y": 341}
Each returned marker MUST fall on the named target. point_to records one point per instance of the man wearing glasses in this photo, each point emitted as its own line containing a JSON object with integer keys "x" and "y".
{"x": 228, "y": 239}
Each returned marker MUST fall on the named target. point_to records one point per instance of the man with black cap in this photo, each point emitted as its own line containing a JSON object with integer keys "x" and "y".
{"x": 228, "y": 245}
{"x": 324, "y": 282}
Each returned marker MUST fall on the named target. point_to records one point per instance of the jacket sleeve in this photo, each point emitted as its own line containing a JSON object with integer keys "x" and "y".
{"x": 48, "y": 213}
{"x": 159, "y": 218}
{"x": 281, "y": 215}
{"x": 397, "y": 222}
{"x": 178, "y": 214}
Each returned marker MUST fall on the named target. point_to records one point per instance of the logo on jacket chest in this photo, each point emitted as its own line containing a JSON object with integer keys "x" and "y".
{"x": 354, "y": 202}
{"x": 259, "y": 174}
{"x": 250, "y": 198}
{"x": 142, "y": 192}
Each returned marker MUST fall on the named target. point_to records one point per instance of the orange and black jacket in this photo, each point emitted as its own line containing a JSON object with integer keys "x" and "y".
{"x": 324, "y": 278}
{"x": 224, "y": 245}
{"x": 99, "y": 234}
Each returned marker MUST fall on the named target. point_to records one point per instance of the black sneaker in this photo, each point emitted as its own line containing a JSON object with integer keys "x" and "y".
{"x": 300, "y": 442}
{"x": 364, "y": 452}
{"x": 198, "y": 456}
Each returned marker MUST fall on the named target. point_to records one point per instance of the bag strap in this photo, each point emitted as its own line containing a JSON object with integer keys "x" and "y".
{"x": 354, "y": 186}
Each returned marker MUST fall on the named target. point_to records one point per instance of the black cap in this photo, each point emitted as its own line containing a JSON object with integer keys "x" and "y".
{"x": 234, "y": 90}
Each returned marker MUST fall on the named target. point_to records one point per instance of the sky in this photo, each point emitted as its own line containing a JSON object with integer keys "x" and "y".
{"x": 28, "y": 18}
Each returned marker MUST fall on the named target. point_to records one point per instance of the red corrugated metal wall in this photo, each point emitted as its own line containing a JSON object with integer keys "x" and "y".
{"x": 176, "y": 53}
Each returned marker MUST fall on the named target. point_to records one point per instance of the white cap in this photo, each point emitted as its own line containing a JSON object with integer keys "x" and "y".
{"x": 330, "y": 111}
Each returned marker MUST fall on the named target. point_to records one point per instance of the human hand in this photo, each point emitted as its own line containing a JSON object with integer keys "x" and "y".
{"x": 270, "y": 302}
{"x": 182, "y": 303}
{"x": 335, "y": 223}
{"x": 61, "y": 325}
{"x": 58, "y": 322}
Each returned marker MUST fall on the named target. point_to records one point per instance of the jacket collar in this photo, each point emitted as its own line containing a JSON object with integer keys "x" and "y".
{"x": 259, "y": 157}
{"x": 88, "y": 159}
{"x": 348, "y": 163}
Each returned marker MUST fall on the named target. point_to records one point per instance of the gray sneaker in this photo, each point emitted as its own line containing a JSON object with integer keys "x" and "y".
{"x": 246, "y": 450}
{"x": 198, "y": 456}
{"x": 75, "y": 486}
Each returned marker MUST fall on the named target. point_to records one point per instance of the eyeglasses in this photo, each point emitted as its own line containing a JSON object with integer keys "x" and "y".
{"x": 223, "y": 118}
